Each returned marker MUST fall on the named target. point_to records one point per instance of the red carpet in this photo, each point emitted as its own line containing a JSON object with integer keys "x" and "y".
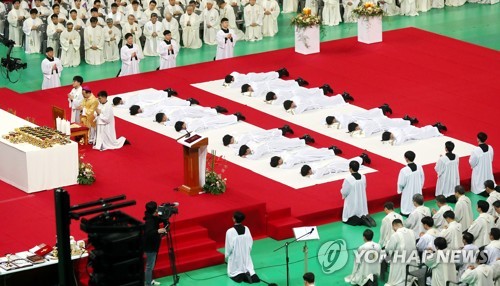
{"x": 422, "y": 74}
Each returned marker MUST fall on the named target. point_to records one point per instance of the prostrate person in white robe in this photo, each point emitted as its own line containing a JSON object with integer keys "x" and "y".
{"x": 366, "y": 268}
{"x": 70, "y": 46}
{"x": 168, "y": 115}
{"x": 288, "y": 160}
{"x": 75, "y": 98}
{"x": 413, "y": 221}
{"x": 105, "y": 121}
{"x": 336, "y": 165}
{"x": 168, "y": 49}
{"x": 261, "y": 88}
{"x": 254, "y": 16}
{"x": 452, "y": 232}
{"x": 210, "y": 18}
{"x": 426, "y": 240}
{"x": 442, "y": 270}
{"x": 31, "y": 28}
{"x": 480, "y": 274}
{"x": 51, "y": 69}
{"x": 15, "y": 17}
{"x": 134, "y": 29}
{"x": 270, "y": 19}
{"x": 349, "y": 16}
{"x": 447, "y": 173}
{"x": 342, "y": 121}
{"x": 400, "y": 246}
{"x": 94, "y": 43}
{"x": 463, "y": 208}
{"x": 226, "y": 40}
{"x": 493, "y": 196}
{"x": 390, "y": 8}
{"x": 171, "y": 24}
{"x": 131, "y": 55}
{"x": 398, "y": 136}
{"x": 227, "y": 11}
{"x": 112, "y": 37}
{"x": 238, "y": 248}
{"x": 190, "y": 23}
{"x": 493, "y": 248}
{"x": 410, "y": 182}
{"x": 54, "y": 30}
{"x": 331, "y": 13}
{"x": 236, "y": 79}
{"x": 298, "y": 105}
{"x": 437, "y": 215}
{"x": 409, "y": 8}
{"x": 255, "y": 151}
{"x": 481, "y": 227}
{"x": 256, "y": 136}
{"x": 173, "y": 107}
{"x": 386, "y": 226}
{"x": 481, "y": 161}
{"x": 205, "y": 123}
{"x": 153, "y": 31}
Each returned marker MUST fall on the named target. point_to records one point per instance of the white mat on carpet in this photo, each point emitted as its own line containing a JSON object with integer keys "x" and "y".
{"x": 289, "y": 177}
{"x": 428, "y": 150}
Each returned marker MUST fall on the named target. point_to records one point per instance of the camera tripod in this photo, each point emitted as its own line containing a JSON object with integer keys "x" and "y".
{"x": 171, "y": 253}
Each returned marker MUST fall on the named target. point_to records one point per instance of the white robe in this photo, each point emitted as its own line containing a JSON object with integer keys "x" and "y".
{"x": 423, "y": 5}
{"x": 380, "y": 124}
{"x": 314, "y": 5}
{"x": 455, "y": 3}
{"x": 151, "y": 45}
{"x": 344, "y": 119}
{"x": 463, "y": 212}
{"x": 337, "y": 165}
{"x": 173, "y": 10}
{"x": 354, "y": 194}
{"x": 106, "y": 133}
{"x": 437, "y": 4}
{"x": 390, "y": 8}
{"x": 363, "y": 272}
{"x": 75, "y": 103}
{"x": 253, "y": 15}
{"x": 331, "y": 13}
{"x": 228, "y": 12}
{"x": 493, "y": 197}
{"x": 70, "y": 53}
{"x": 401, "y": 240}
{"x": 51, "y": 78}
{"x": 441, "y": 271}
{"x": 137, "y": 33}
{"x": 77, "y": 22}
{"x": 213, "y": 122}
{"x": 409, "y": 8}
{"x": 304, "y": 156}
{"x": 290, "y": 6}
{"x": 409, "y": 184}
{"x": 466, "y": 258}
{"x": 167, "y": 56}
{"x": 176, "y": 113}
{"x": 413, "y": 220}
{"x": 33, "y": 41}
{"x": 448, "y": 176}
{"x": 94, "y": 37}
{"x": 53, "y": 37}
{"x": 453, "y": 235}
{"x": 283, "y": 94}
{"x": 312, "y": 103}
{"x": 401, "y": 135}
{"x": 261, "y": 88}
{"x": 482, "y": 169}
{"x": 241, "y": 79}
{"x": 16, "y": 26}
{"x": 386, "y": 229}
{"x": 270, "y": 22}
{"x": 493, "y": 251}
{"x": 138, "y": 15}
{"x": 273, "y": 146}
{"x": 225, "y": 47}
{"x": 173, "y": 27}
{"x": 427, "y": 240}
{"x": 257, "y": 136}
{"x": 482, "y": 275}
{"x": 111, "y": 40}
{"x": 130, "y": 65}
{"x": 439, "y": 221}
{"x": 349, "y": 16}
{"x": 237, "y": 251}
{"x": 210, "y": 18}
{"x": 191, "y": 33}
{"x": 481, "y": 228}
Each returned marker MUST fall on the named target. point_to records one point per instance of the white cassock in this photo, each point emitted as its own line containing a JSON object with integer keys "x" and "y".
{"x": 331, "y": 13}
{"x": 413, "y": 220}
{"x": 228, "y": 12}
{"x": 317, "y": 102}
{"x": 238, "y": 247}
{"x": 287, "y": 93}
{"x": 304, "y": 156}
{"x": 117, "y": 17}
{"x": 42, "y": 10}
{"x": 159, "y": 97}
{"x": 106, "y": 133}
{"x": 173, "y": 27}
{"x": 482, "y": 275}
{"x": 410, "y": 182}
{"x": 493, "y": 251}
{"x": 349, "y": 16}
{"x": 493, "y": 197}
{"x": 111, "y": 40}
{"x": 75, "y": 103}
{"x": 191, "y": 31}
{"x": 51, "y": 78}
{"x": 100, "y": 23}
{"x": 423, "y": 5}
{"x": 173, "y": 10}
{"x": 135, "y": 30}
{"x": 53, "y": 37}
{"x": 130, "y": 65}
{"x": 409, "y": 8}
{"x": 453, "y": 235}
{"x": 273, "y": 146}
{"x": 240, "y": 79}
{"x": 354, "y": 194}
{"x": 441, "y": 270}
{"x": 466, "y": 258}
{"x": 210, "y": 18}
{"x": 427, "y": 240}
{"x": 257, "y": 136}
{"x": 151, "y": 45}
{"x": 439, "y": 221}
{"x": 211, "y": 122}
{"x": 337, "y": 165}
{"x": 70, "y": 52}
{"x": 402, "y": 240}
{"x": 481, "y": 161}
{"x": 94, "y": 37}
{"x": 33, "y": 42}
{"x": 344, "y": 119}
{"x": 16, "y": 26}
{"x": 380, "y": 124}
{"x": 463, "y": 212}
{"x": 314, "y": 5}
{"x": 448, "y": 175}
{"x": 77, "y": 22}
{"x": 386, "y": 229}
{"x": 261, "y": 88}
{"x": 253, "y": 15}
{"x": 290, "y": 6}
{"x": 147, "y": 14}
{"x": 168, "y": 106}
{"x": 168, "y": 52}
{"x": 401, "y": 135}
{"x": 481, "y": 228}
{"x": 225, "y": 46}
{"x": 364, "y": 271}
{"x": 176, "y": 113}
{"x": 270, "y": 22}
{"x": 390, "y": 8}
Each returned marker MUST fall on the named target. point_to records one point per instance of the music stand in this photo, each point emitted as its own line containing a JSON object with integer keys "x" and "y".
{"x": 299, "y": 234}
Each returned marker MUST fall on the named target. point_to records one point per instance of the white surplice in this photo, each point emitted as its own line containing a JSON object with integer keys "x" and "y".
{"x": 70, "y": 52}
{"x": 270, "y": 22}
{"x": 304, "y": 156}
{"x": 413, "y": 221}
{"x": 94, "y": 37}
{"x": 481, "y": 228}
{"x": 228, "y": 12}
{"x": 439, "y": 221}
{"x": 173, "y": 27}
{"x": 364, "y": 271}
{"x": 168, "y": 53}
{"x": 151, "y": 45}
{"x": 75, "y": 103}
{"x": 331, "y": 13}
{"x": 453, "y": 235}
{"x": 51, "y": 78}
{"x": 111, "y": 39}
{"x": 386, "y": 229}
{"x": 354, "y": 194}
{"x": 130, "y": 65}
{"x": 237, "y": 252}
{"x": 410, "y": 183}
{"x": 442, "y": 271}
{"x": 225, "y": 46}
{"x": 191, "y": 31}
{"x": 402, "y": 240}
{"x": 106, "y": 133}
{"x": 33, "y": 40}
{"x": 482, "y": 169}
{"x": 448, "y": 176}
{"x": 253, "y": 15}
{"x": 276, "y": 145}
{"x": 16, "y": 25}
{"x": 210, "y": 18}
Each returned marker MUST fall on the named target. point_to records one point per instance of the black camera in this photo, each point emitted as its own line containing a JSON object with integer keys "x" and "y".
{"x": 12, "y": 64}
{"x": 166, "y": 210}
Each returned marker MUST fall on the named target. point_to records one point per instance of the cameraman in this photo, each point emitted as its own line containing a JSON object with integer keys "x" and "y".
{"x": 152, "y": 238}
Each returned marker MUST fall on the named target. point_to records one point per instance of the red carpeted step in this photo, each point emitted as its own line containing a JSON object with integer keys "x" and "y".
{"x": 282, "y": 228}
{"x": 278, "y": 213}
{"x": 187, "y": 247}
{"x": 189, "y": 262}
{"x": 182, "y": 233}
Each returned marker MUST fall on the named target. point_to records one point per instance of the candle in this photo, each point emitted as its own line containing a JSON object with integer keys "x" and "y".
{"x": 306, "y": 11}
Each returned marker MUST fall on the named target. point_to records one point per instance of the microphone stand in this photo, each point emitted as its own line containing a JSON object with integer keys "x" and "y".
{"x": 286, "y": 253}
{"x": 188, "y": 134}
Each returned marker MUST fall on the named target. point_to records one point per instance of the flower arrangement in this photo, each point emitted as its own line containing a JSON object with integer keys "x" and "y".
{"x": 368, "y": 9}
{"x": 215, "y": 184}
{"x": 305, "y": 19}
{"x": 86, "y": 174}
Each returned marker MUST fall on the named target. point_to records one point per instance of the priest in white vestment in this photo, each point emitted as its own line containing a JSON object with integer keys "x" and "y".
{"x": 94, "y": 14}
{"x": 171, "y": 24}
{"x": 493, "y": 196}
{"x": 15, "y": 17}
{"x": 452, "y": 232}
{"x": 270, "y": 19}
{"x": 78, "y": 23}
{"x": 94, "y": 43}
{"x": 442, "y": 270}
{"x": 331, "y": 13}
{"x": 173, "y": 9}
{"x": 70, "y": 46}
{"x": 480, "y": 274}
{"x": 131, "y": 55}
{"x": 112, "y": 37}
{"x": 190, "y": 23}
{"x": 337, "y": 165}
{"x": 413, "y": 221}
{"x": 298, "y": 105}
{"x": 75, "y": 98}
{"x": 134, "y": 29}
{"x": 33, "y": 33}
{"x": 426, "y": 240}
{"x": 437, "y": 215}
{"x": 463, "y": 208}
{"x": 386, "y": 226}
{"x": 437, "y": 4}
{"x": 150, "y": 11}
{"x": 288, "y": 160}
{"x": 390, "y": 8}
{"x": 366, "y": 267}
{"x": 481, "y": 161}
{"x": 354, "y": 195}
{"x": 455, "y": 3}
{"x": 400, "y": 246}
{"x": 423, "y": 5}
{"x": 227, "y": 11}
{"x": 409, "y": 8}
{"x": 136, "y": 11}
{"x": 481, "y": 227}
{"x": 467, "y": 257}
{"x": 290, "y": 6}
{"x": 349, "y": 16}
{"x": 493, "y": 248}
{"x": 205, "y": 123}
{"x": 153, "y": 31}
{"x": 54, "y": 30}
{"x": 105, "y": 121}
{"x": 51, "y": 69}
{"x": 168, "y": 49}
{"x": 226, "y": 40}
{"x": 447, "y": 173}
{"x": 254, "y": 16}
{"x": 255, "y": 151}
{"x": 314, "y": 5}
{"x": 410, "y": 182}
{"x": 210, "y": 18}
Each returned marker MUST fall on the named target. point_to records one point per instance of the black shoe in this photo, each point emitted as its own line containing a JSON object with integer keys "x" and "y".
{"x": 366, "y": 158}
{"x": 413, "y": 120}
{"x": 336, "y": 150}
{"x": 373, "y": 223}
{"x": 327, "y": 87}
{"x": 366, "y": 221}
{"x": 126, "y": 142}
{"x": 386, "y": 109}
{"x": 325, "y": 90}
{"x": 283, "y": 72}
{"x": 193, "y": 101}
{"x": 301, "y": 81}
{"x": 286, "y": 129}
{"x": 248, "y": 278}
{"x": 440, "y": 127}
{"x": 308, "y": 139}
{"x": 347, "y": 96}
{"x": 240, "y": 116}
{"x": 170, "y": 92}
{"x": 220, "y": 109}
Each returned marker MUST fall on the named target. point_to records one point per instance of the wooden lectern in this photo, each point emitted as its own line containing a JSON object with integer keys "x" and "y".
{"x": 194, "y": 147}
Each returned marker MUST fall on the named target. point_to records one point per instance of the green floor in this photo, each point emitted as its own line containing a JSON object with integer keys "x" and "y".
{"x": 473, "y": 23}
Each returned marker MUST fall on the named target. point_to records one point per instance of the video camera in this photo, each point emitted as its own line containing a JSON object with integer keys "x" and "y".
{"x": 11, "y": 64}
{"x": 167, "y": 210}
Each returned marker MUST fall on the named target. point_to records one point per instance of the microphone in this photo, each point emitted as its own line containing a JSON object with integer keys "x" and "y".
{"x": 312, "y": 229}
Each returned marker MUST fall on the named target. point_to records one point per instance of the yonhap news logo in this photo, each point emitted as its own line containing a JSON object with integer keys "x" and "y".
{"x": 333, "y": 255}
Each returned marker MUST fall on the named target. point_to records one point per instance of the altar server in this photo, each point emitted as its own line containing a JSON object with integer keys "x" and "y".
{"x": 205, "y": 123}
{"x": 493, "y": 248}
{"x": 386, "y": 226}
{"x": 54, "y": 30}
{"x": 493, "y": 196}
{"x": 15, "y": 17}
{"x": 337, "y": 165}
{"x": 463, "y": 208}
{"x": 481, "y": 227}
{"x": 254, "y": 15}
{"x": 51, "y": 69}
{"x": 255, "y": 151}
{"x": 75, "y": 98}
{"x": 112, "y": 37}
{"x": 447, "y": 173}
{"x": 481, "y": 161}
{"x": 331, "y": 13}
{"x": 168, "y": 49}
{"x": 426, "y": 239}
{"x": 452, "y": 232}
{"x": 32, "y": 32}
{"x": 190, "y": 23}
{"x": 355, "y": 211}
{"x": 402, "y": 241}
{"x": 210, "y": 18}
{"x": 480, "y": 274}
{"x": 442, "y": 271}
{"x": 153, "y": 31}
{"x": 414, "y": 219}
{"x": 105, "y": 121}
{"x": 366, "y": 269}
{"x": 409, "y": 8}
{"x": 398, "y": 136}
{"x": 171, "y": 24}
{"x": 88, "y": 107}
{"x": 288, "y": 160}
{"x": 226, "y": 40}
{"x": 270, "y": 19}
{"x": 131, "y": 55}
{"x": 70, "y": 46}
{"x": 132, "y": 28}
{"x": 410, "y": 182}
{"x": 298, "y": 105}
{"x": 437, "y": 215}
{"x": 94, "y": 43}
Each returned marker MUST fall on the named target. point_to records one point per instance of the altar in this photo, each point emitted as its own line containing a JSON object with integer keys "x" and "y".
{"x": 33, "y": 169}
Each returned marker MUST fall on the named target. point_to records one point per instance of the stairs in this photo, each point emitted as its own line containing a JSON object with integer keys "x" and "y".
{"x": 280, "y": 223}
